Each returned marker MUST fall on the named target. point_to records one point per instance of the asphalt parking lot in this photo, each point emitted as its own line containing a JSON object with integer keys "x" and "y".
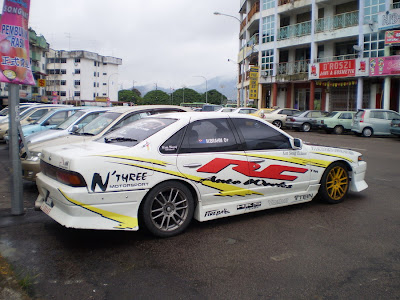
{"x": 305, "y": 251}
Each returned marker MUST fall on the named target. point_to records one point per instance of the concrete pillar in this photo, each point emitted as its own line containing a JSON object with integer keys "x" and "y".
{"x": 274, "y": 94}
{"x": 360, "y": 91}
{"x": 386, "y": 93}
{"x": 372, "y": 96}
{"x": 312, "y": 94}
{"x": 289, "y": 95}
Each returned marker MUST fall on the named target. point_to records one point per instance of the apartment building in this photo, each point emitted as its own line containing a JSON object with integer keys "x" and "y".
{"x": 320, "y": 54}
{"x": 81, "y": 75}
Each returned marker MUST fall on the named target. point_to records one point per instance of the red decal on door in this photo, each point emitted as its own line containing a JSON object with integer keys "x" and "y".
{"x": 249, "y": 169}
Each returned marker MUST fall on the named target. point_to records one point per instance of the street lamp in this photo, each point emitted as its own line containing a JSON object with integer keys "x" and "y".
{"x": 241, "y": 96}
{"x": 206, "y": 86}
{"x": 108, "y": 85}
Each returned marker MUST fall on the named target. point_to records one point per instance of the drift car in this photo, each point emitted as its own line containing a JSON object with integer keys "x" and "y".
{"x": 161, "y": 171}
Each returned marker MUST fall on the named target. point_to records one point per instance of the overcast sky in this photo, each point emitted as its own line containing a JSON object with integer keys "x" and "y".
{"x": 167, "y": 42}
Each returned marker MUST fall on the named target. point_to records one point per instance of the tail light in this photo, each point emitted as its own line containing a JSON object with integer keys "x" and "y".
{"x": 322, "y": 121}
{"x": 362, "y": 117}
{"x": 70, "y": 178}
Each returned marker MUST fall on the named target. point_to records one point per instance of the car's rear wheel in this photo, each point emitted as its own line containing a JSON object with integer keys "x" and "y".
{"x": 306, "y": 127}
{"x": 334, "y": 183}
{"x": 367, "y": 132}
{"x": 277, "y": 123}
{"x": 168, "y": 209}
{"x": 338, "y": 129}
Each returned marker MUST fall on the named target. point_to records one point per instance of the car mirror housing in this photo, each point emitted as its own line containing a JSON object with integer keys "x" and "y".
{"x": 297, "y": 143}
{"x": 74, "y": 128}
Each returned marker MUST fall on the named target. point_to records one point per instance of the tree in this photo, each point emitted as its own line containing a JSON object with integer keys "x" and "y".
{"x": 186, "y": 95}
{"x": 214, "y": 97}
{"x": 156, "y": 97}
{"x": 129, "y": 96}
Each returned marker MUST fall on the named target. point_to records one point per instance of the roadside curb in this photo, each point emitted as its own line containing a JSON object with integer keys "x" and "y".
{"x": 9, "y": 286}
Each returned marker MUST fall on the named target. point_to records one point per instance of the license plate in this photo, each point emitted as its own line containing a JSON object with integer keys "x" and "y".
{"x": 47, "y": 204}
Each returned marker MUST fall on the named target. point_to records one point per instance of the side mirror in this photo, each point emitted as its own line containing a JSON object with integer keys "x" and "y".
{"x": 74, "y": 128}
{"x": 47, "y": 123}
{"x": 297, "y": 143}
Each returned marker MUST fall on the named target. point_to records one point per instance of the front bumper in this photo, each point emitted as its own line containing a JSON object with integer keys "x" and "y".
{"x": 77, "y": 208}
{"x": 30, "y": 169}
{"x": 358, "y": 183}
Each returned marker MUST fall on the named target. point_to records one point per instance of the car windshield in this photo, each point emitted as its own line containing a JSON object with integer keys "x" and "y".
{"x": 98, "y": 124}
{"x": 64, "y": 125}
{"x": 330, "y": 115}
{"x": 137, "y": 131}
{"x": 44, "y": 117}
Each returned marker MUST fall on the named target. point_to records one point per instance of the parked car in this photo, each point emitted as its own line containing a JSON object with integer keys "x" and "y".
{"x": 73, "y": 123}
{"x": 30, "y": 115}
{"x": 305, "y": 120}
{"x": 278, "y": 116}
{"x": 337, "y": 122}
{"x": 48, "y": 121}
{"x": 244, "y": 110}
{"x": 395, "y": 127}
{"x": 261, "y": 112}
{"x": 368, "y": 122}
{"x": 22, "y": 107}
{"x": 211, "y": 107}
{"x": 113, "y": 119}
{"x": 226, "y": 109}
{"x": 165, "y": 170}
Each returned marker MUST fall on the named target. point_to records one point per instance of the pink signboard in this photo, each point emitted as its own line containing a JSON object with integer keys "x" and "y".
{"x": 392, "y": 37}
{"x": 15, "y": 64}
{"x": 383, "y": 66}
{"x": 340, "y": 68}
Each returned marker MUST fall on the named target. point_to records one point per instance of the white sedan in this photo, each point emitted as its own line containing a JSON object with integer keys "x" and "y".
{"x": 160, "y": 172}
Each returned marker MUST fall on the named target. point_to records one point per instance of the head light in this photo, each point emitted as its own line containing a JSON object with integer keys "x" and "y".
{"x": 360, "y": 158}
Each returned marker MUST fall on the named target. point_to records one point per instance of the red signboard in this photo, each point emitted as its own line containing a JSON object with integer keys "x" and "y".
{"x": 392, "y": 37}
{"x": 340, "y": 68}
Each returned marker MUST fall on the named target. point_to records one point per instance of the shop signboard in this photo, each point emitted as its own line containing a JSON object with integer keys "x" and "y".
{"x": 384, "y": 66}
{"x": 388, "y": 19}
{"x": 253, "y": 89}
{"x": 339, "y": 69}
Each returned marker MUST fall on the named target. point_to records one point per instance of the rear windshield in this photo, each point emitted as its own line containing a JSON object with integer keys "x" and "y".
{"x": 359, "y": 113}
{"x": 330, "y": 115}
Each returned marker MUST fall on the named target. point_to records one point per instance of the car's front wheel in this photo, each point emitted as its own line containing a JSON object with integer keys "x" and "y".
{"x": 168, "y": 209}
{"x": 334, "y": 183}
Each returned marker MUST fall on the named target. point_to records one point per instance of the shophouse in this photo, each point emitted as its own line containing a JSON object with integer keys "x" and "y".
{"x": 320, "y": 54}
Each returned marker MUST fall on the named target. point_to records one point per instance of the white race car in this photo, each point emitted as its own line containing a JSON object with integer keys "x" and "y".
{"x": 161, "y": 171}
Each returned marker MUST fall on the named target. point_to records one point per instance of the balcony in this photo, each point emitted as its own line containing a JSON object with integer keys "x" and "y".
{"x": 296, "y": 30}
{"x": 297, "y": 70}
{"x": 254, "y": 9}
{"x": 283, "y": 2}
{"x": 338, "y": 57}
{"x": 337, "y": 22}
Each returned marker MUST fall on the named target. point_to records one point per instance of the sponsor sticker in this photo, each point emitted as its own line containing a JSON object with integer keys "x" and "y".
{"x": 216, "y": 212}
{"x": 249, "y": 206}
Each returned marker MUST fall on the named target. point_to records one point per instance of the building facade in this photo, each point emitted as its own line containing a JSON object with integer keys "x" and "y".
{"x": 320, "y": 54}
{"x": 81, "y": 75}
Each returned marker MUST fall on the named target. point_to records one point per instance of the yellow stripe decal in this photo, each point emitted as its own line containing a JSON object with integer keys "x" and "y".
{"x": 125, "y": 222}
{"x": 334, "y": 155}
{"x": 152, "y": 161}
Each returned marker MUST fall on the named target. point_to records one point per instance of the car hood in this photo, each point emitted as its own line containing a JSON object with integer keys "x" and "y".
{"x": 45, "y": 135}
{"x": 347, "y": 154}
{"x": 69, "y": 139}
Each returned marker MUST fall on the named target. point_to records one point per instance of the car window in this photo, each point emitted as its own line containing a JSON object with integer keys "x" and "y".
{"x": 287, "y": 112}
{"x": 359, "y": 114}
{"x": 98, "y": 124}
{"x": 57, "y": 118}
{"x": 260, "y": 136}
{"x": 37, "y": 114}
{"x": 393, "y": 115}
{"x": 213, "y": 135}
{"x": 332, "y": 114}
{"x": 172, "y": 144}
{"x": 315, "y": 114}
{"x": 70, "y": 120}
{"x": 137, "y": 131}
{"x": 130, "y": 119}
{"x": 377, "y": 115}
{"x": 346, "y": 116}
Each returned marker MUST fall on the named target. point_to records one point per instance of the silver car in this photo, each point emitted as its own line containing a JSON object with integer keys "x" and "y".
{"x": 368, "y": 122}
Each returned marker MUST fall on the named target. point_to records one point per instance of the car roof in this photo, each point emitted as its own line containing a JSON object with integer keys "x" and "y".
{"x": 191, "y": 116}
{"x": 124, "y": 109}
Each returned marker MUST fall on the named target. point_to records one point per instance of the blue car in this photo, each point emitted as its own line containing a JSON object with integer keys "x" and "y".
{"x": 49, "y": 120}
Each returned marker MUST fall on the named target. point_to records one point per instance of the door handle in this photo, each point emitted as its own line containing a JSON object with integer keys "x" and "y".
{"x": 259, "y": 160}
{"x": 193, "y": 165}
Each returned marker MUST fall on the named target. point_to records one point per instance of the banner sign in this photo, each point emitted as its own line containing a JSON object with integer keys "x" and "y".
{"x": 392, "y": 37}
{"x": 389, "y": 19}
{"x": 339, "y": 69}
{"x": 253, "y": 88}
{"x": 15, "y": 64}
{"x": 383, "y": 66}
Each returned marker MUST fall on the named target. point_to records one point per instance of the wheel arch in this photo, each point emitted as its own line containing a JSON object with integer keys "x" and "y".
{"x": 184, "y": 182}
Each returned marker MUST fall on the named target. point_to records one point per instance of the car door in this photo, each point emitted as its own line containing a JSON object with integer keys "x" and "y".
{"x": 212, "y": 159}
{"x": 379, "y": 121}
{"x": 345, "y": 119}
{"x": 275, "y": 168}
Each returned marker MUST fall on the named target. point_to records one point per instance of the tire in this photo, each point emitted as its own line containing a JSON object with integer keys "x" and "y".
{"x": 306, "y": 127}
{"x": 168, "y": 209}
{"x": 277, "y": 123}
{"x": 334, "y": 183}
{"x": 338, "y": 129}
{"x": 367, "y": 132}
